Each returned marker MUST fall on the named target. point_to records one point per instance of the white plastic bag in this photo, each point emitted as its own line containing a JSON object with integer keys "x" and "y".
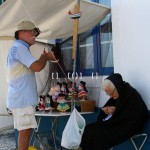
{"x": 72, "y": 134}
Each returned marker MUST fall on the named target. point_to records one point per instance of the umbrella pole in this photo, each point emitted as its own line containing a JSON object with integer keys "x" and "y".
{"x": 75, "y": 40}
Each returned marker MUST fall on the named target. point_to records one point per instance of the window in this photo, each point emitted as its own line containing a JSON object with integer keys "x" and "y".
{"x": 86, "y": 51}
{"x": 85, "y": 63}
{"x": 94, "y": 50}
{"x": 106, "y": 48}
{"x": 104, "y": 2}
{"x": 66, "y": 50}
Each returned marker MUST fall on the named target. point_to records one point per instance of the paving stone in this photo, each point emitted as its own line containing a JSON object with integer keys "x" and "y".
{"x": 7, "y": 140}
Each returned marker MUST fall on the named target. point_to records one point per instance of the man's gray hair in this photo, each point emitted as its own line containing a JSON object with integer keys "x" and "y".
{"x": 108, "y": 83}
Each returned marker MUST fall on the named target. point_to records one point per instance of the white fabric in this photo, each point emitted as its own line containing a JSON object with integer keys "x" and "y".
{"x": 51, "y": 16}
{"x": 72, "y": 134}
{"x": 4, "y": 48}
{"x": 24, "y": 118}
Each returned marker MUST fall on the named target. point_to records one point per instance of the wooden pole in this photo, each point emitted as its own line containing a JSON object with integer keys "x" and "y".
{"x": 75, "y": 33}
{"x": 74, "y": 50}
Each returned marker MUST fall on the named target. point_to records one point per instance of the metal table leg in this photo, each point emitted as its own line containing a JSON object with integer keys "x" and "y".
{"x": 54, "y": 130}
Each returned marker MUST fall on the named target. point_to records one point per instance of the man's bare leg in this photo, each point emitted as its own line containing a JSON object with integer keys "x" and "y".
{"x": 23, "y": 140}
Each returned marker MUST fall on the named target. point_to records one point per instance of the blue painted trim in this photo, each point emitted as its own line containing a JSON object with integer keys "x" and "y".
{"x": 96, "y": 43}
{"x": 96, "y": 1}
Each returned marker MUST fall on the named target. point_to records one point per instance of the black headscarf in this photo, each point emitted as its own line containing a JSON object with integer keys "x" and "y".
{"x": 117, "y": 80}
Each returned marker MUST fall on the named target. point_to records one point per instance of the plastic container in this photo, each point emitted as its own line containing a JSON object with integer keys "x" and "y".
{"x": 31, "y": 148}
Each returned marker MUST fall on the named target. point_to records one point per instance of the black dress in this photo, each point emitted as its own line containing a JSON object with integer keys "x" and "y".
{"x": 128, "y": 119}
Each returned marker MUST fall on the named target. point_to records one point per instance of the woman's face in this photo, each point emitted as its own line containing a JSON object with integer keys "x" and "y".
{"x": 113, "y": 93}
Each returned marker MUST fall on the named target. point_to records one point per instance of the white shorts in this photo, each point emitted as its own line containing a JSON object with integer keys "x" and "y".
{"x": 24, "y": 118}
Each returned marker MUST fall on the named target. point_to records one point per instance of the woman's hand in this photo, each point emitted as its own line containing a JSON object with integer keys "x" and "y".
{"x": 105, "y": 109}
{"x": 109, "y": 109}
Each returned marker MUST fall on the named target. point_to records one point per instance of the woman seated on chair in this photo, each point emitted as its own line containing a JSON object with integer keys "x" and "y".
{"x": 126, "y": 117}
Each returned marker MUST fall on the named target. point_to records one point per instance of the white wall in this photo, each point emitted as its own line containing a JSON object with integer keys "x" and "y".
{"x": 131, "y": 43}
{"x": 93, "y": 85}
{"x": 5, "y": 121}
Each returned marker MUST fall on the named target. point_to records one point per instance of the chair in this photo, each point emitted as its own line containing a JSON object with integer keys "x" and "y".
{"x": 144, "y": 135}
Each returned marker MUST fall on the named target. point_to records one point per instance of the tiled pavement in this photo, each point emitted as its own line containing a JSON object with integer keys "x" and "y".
{"x": 7, "y": 140}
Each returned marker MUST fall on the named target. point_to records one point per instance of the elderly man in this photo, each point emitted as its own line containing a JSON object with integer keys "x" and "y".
{"x": 22, "y": 91}
{"x": 123, "y": 115}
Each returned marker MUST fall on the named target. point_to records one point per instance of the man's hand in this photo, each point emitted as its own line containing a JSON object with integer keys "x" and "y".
{"x": 51, "y": 57}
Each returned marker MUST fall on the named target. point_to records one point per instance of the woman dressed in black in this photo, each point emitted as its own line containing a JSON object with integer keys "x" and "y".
{"x": 123, "y": 116}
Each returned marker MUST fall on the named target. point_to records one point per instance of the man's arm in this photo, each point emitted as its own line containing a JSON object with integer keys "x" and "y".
{"x": 38, "y": 65}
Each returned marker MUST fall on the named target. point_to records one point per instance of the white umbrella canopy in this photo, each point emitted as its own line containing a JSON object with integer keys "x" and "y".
{"x": 51, "y": 16}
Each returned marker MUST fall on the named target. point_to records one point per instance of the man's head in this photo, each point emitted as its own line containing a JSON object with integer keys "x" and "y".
{"x": 27, "y": 32}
